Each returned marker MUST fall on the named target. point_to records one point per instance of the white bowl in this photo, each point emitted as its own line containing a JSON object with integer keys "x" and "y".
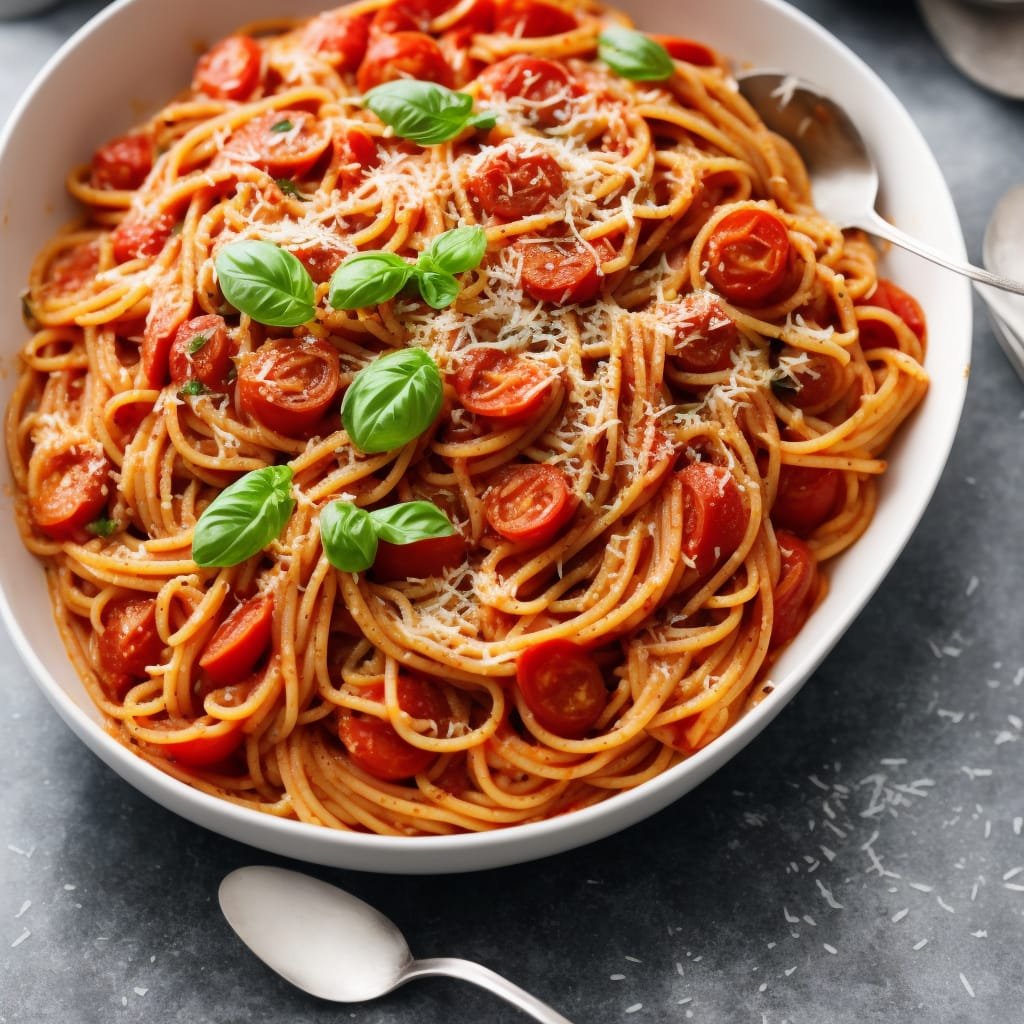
{"x": 83, "y": 97}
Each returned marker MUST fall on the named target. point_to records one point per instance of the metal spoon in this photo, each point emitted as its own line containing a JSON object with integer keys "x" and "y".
{"x": 1003, "y": 251}
{"x": 337, "y": 947}
{"x": 843, "y": 176}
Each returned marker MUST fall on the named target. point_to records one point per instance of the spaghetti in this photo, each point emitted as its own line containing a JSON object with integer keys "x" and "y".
{"x": 666, "y": 389}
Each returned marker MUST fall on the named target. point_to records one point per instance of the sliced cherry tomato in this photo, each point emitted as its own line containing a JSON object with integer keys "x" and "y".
{"x": 166, "y": 314}
{"x": 418, "y": 560}
{"x": 806, "y": 497}
{"x": 374, "y": 745}
{"x": 532, "y": 18}
{"x": 129, "y": 643}
{"x": 562, "y": 685}
{"x": 338, "y": 37}
{"x": 494, "y": 383}
{"x": 706, "y": 335}
{"x": 240, "y": 641}
{"x": 136, "y": 237}
{"x": 513, "y": 184}
{"x": 74, "y": 487}
{"x": 530, "y": 504}
{"x": 748, "y": 255}
{"x": 891, "y": 297}
{"x": 73, "y": 270}
{"x": 795, "y": 591}
{"x": 123, "y": 163}
{"x": 688, "y": 50}
{"x": 403, "y": 55}
{"x": 407, "y": 15}
{"x": 817, "y": 381}
{"x": 714, "y": 517}
{"x": 201, "y": 351}
{"x": 545, "y": 87}
{"x": 318, "y": 259}
{"x": 289, "y": 384}
{"x": 284, "y": 143}
{"x": 562, "y": 273}
{"x": 230, "y": 69}
{"x": 355, "y": 151}
{"x": 203, "y": 751}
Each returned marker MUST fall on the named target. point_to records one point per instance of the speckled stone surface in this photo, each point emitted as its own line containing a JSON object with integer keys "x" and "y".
{"x": 862, "y": 862}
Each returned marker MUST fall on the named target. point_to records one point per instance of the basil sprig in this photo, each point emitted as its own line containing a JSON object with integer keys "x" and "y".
{"x": 368, "y": 278}
{"x": 244, "y": 518}
{"x": 634, "y": 55}
{"x": 425, "y": 112}
{"x": 392, "y": 401}
{"x": 350, "y": 534}
{"x": 267, "y": 282}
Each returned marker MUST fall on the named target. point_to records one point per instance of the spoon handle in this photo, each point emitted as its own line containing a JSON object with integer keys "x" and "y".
{"x": 875, "y": 225}
{"x": 486, "y": 978}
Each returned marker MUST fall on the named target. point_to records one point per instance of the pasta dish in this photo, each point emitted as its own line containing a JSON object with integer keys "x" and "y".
{"x": 441, "y": 414}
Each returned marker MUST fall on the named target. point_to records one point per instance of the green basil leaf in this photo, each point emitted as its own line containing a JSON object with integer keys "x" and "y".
{"x": 197, "y": 342}
{"x": 348, "y": 536}
{"x": 423, "y": 112}
{"x": 282, "y": 126}
{"x": 411, "y": 521}
{"x": 458, "y": 250}
{"x": 244, "y": 518}
{"x": 392, "y": 401}
{"x": 437, "y": 288}
{"x": 289, "y": 188}
{"x": 103, "y": 527}
{"x": 368, "y": 278}
{"x": 266, "y": 282}
{"x": 634, "y": 55}
{"x": 191, "y": 388}
{"x": 484, "y": 121}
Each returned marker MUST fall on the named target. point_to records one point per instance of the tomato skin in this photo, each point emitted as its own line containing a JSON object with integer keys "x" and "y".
{"x": 407, "y": 15}
{"x": 748, "y": 255}
{"x": 73, "y": 491}
{"x": 281, "y": 153}
{"x": 403, "y": 55}
{"x": 123, "y": 163}
{"x": 688, "y": 50}
{"x": 73, "y": 269}
{"x": 355, "y": 150}
{"x": 529, "y": 19}
{"x": 339, "y": 38}
{"x": 418, "y": 560}
{"x": 891, "y": 297}
{"x": 562, "y": 273}
{"x": 806, "y": 497}
{"x": 166, "y": 315}
{"x": 129, "y": 642}
{"x": 545, "y": 86}
{"x": 714, "y": 517}
{"x": 209, "y": 363}
{"x": 820, "y": 381}
{"x": 500, "y": 385}
{"x": 374, "y": 745}
{"x": 529, "y": 504}
{"x": 707, "y": 337}
{"x": 514, "y": 184}
{"x": 239, "y": 641}
{"x": 230, "y": 69}
{"x": 794, "y": 593}
{"x": 136, "y": 237}
{"x": 288, "y": 384}
{"x": 204, "y": 751}
{"x": 562, "y": 685}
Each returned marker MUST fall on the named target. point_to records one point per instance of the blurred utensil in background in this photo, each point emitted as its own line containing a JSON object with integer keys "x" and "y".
{"x": 1003, "y": 252}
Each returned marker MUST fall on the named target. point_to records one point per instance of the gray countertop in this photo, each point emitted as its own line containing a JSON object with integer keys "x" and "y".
{"x": 862, "y": 861}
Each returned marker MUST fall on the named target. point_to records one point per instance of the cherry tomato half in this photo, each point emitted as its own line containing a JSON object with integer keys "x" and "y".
{"x": 205, "y": 750}
{"x": 706, "y": 335}
{"x": 123, "y": 163}
{"x": 201, "y": 351}
{"x": 748, "y": 255}
{"x": 73, "y": 269}
{"x": 528, "y": 19}
{"x": 73, "y": 490}
{"x": 338, "y": 37}
{"x": 688, "y": 50}
{"x": 891, "y": 297}
{"x": 374, "y": 745}
{"x": 529, "y": 504}
{"x": 818, "y": 381}
{"x": 230, "y": 69}
{"x": 795, "y": 591}
{"x": 513, "y": 184}
{"x": 714, "y": 517}
{"x": 418, "y": 560}
{"x": 166, "y": 314}
{"x": 806, "y": 497}
{"x": 403, "y": 55}
{"x": 136, "y": 237}
{"x": 129, "y": 642}
{"x": 562, "y": 685}
{"x": 494, "y": 383}
{"x": 354, "y": 150}
{"x": 545, "y": 87}
{"x": 562, "y": 273}
{"x": 289, "y": 384}
{"x": 284, "y": 143}
{"x": 239, "y": 641}
{"x": 407, "y": 15}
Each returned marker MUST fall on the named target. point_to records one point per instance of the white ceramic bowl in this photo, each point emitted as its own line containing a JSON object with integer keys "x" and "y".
{"x": 84, "y": 96}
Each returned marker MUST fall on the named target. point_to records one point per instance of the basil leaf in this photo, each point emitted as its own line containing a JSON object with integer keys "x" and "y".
{"x": 289, "y": 188}
{"x": 244, "y": 518}
{"x": 368, "y": 278}
{"x": 348, "y": 536}
{"x": 457, "y": 251}
{"x": 411, "y": 521}
{"x": 634, "y": 55}
{"x": 197, "y": 342}
{"x": 192, "y": 388}
{"x": 392, "y": 401}
{"x": 437, "y": 288}
{"x": 103, "y": 527}
{"x": 484, "y": 121}
{"x": 423, "y": 112}
{"x": 282, "y": 126}
{"x": 266, "y": 282}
